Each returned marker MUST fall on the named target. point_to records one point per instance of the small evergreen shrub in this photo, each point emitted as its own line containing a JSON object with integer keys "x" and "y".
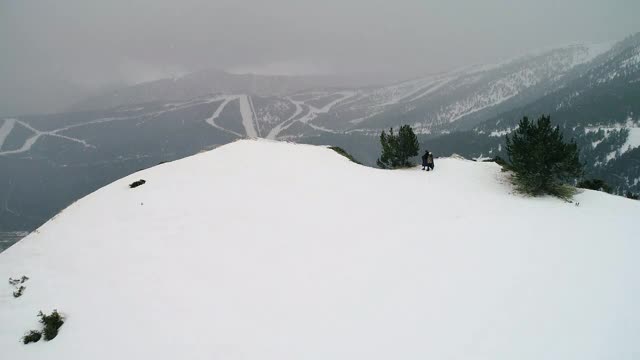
{"x": 632, "y": 196}
{"x": 32, "y": 337}
{"x": 135, "y": 184}
{"x": 595, "y": 184}
{"x": 541, "y": 162}
{"x": 16, "y": 282}
{"x": 563, "y": 191}
{"x": 51, "y": 323}
{"x": 18, "y": 293}
{"x": 398, "y": 149}
{"x": 344, "y": 153}
{"x": 19, "y": 289}
{"x": 498, "y": 160}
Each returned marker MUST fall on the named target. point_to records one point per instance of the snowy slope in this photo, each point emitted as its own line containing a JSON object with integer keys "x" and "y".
{"x": 220, "y": 256}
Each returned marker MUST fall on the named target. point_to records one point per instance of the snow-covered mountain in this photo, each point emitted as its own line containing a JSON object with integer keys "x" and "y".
{"x": 211, "y": 81}
{"x": 600, "y": 109}
{"x": 221, "y": 256}
{"x": 459, "y": 99}
{"x": 53, "y": 160}
{"x": 326, "y": 104}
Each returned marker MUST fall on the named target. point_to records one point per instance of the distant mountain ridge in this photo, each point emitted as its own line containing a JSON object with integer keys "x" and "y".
{"x": 460, "y": 99}
{"x": 599, "y": 108}
{"x": 53, "y": 160}
{"x": 211, "y": 81}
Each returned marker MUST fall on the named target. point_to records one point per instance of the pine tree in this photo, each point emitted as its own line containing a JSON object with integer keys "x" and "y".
{"x": 595, "y": 184}
{"x": 540, "y": 159}
{"x": 386, "y": 158}
{"x": 398, "y": 149}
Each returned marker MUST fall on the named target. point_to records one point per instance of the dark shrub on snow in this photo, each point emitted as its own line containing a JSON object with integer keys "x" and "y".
{"x": 344, "y": 153}
{"x": 18, "y": 293}
{"x": 51, "y": 323}
{"x": 137, "y": 183}
{"x": 31, "y": 337}
{"x": 595, "y": 184}
{"x": 15, "y": 282}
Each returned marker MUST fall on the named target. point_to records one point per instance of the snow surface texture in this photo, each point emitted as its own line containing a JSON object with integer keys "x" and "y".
{"x": 305, "y": 255}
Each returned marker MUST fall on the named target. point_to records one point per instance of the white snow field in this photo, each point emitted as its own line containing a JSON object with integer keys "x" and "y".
{"x": 265, "y": 250}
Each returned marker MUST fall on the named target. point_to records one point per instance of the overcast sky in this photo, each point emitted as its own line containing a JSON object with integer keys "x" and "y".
{"x": 51, "y": 52}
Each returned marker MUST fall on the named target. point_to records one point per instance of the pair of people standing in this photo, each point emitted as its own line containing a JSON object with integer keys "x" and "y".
{"x": 427, "y": 161}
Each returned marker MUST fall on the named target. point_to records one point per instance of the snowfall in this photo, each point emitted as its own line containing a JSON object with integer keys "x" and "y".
{"x": 267, "y": 250}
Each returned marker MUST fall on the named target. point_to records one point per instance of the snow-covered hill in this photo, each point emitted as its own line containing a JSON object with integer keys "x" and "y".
{"x": 53, "y": 160}
{"x": 266, "y": 250}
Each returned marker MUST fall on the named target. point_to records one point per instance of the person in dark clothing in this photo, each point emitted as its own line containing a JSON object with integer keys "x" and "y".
{"x": 425, "y": 158}
{"x": 430, "y": 164}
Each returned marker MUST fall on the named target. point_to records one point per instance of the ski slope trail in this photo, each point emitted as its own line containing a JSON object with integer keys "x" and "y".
{"x": 428, "y": 90}
{"x": 5, "y": 130}
{"x": 246, "y": 110}
{"x": 273, "y": 134}
{"x": 314, "y": 111}
{"x": 9, "y": 124}
{"x": 216, "y": 114}
{"x": 306, "y": 255}
{"x": 29, "y": 142}
{"x": 311, "y": 114}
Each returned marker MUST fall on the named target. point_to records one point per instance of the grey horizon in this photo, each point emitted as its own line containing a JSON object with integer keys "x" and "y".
{"x": 56, "y": 53}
